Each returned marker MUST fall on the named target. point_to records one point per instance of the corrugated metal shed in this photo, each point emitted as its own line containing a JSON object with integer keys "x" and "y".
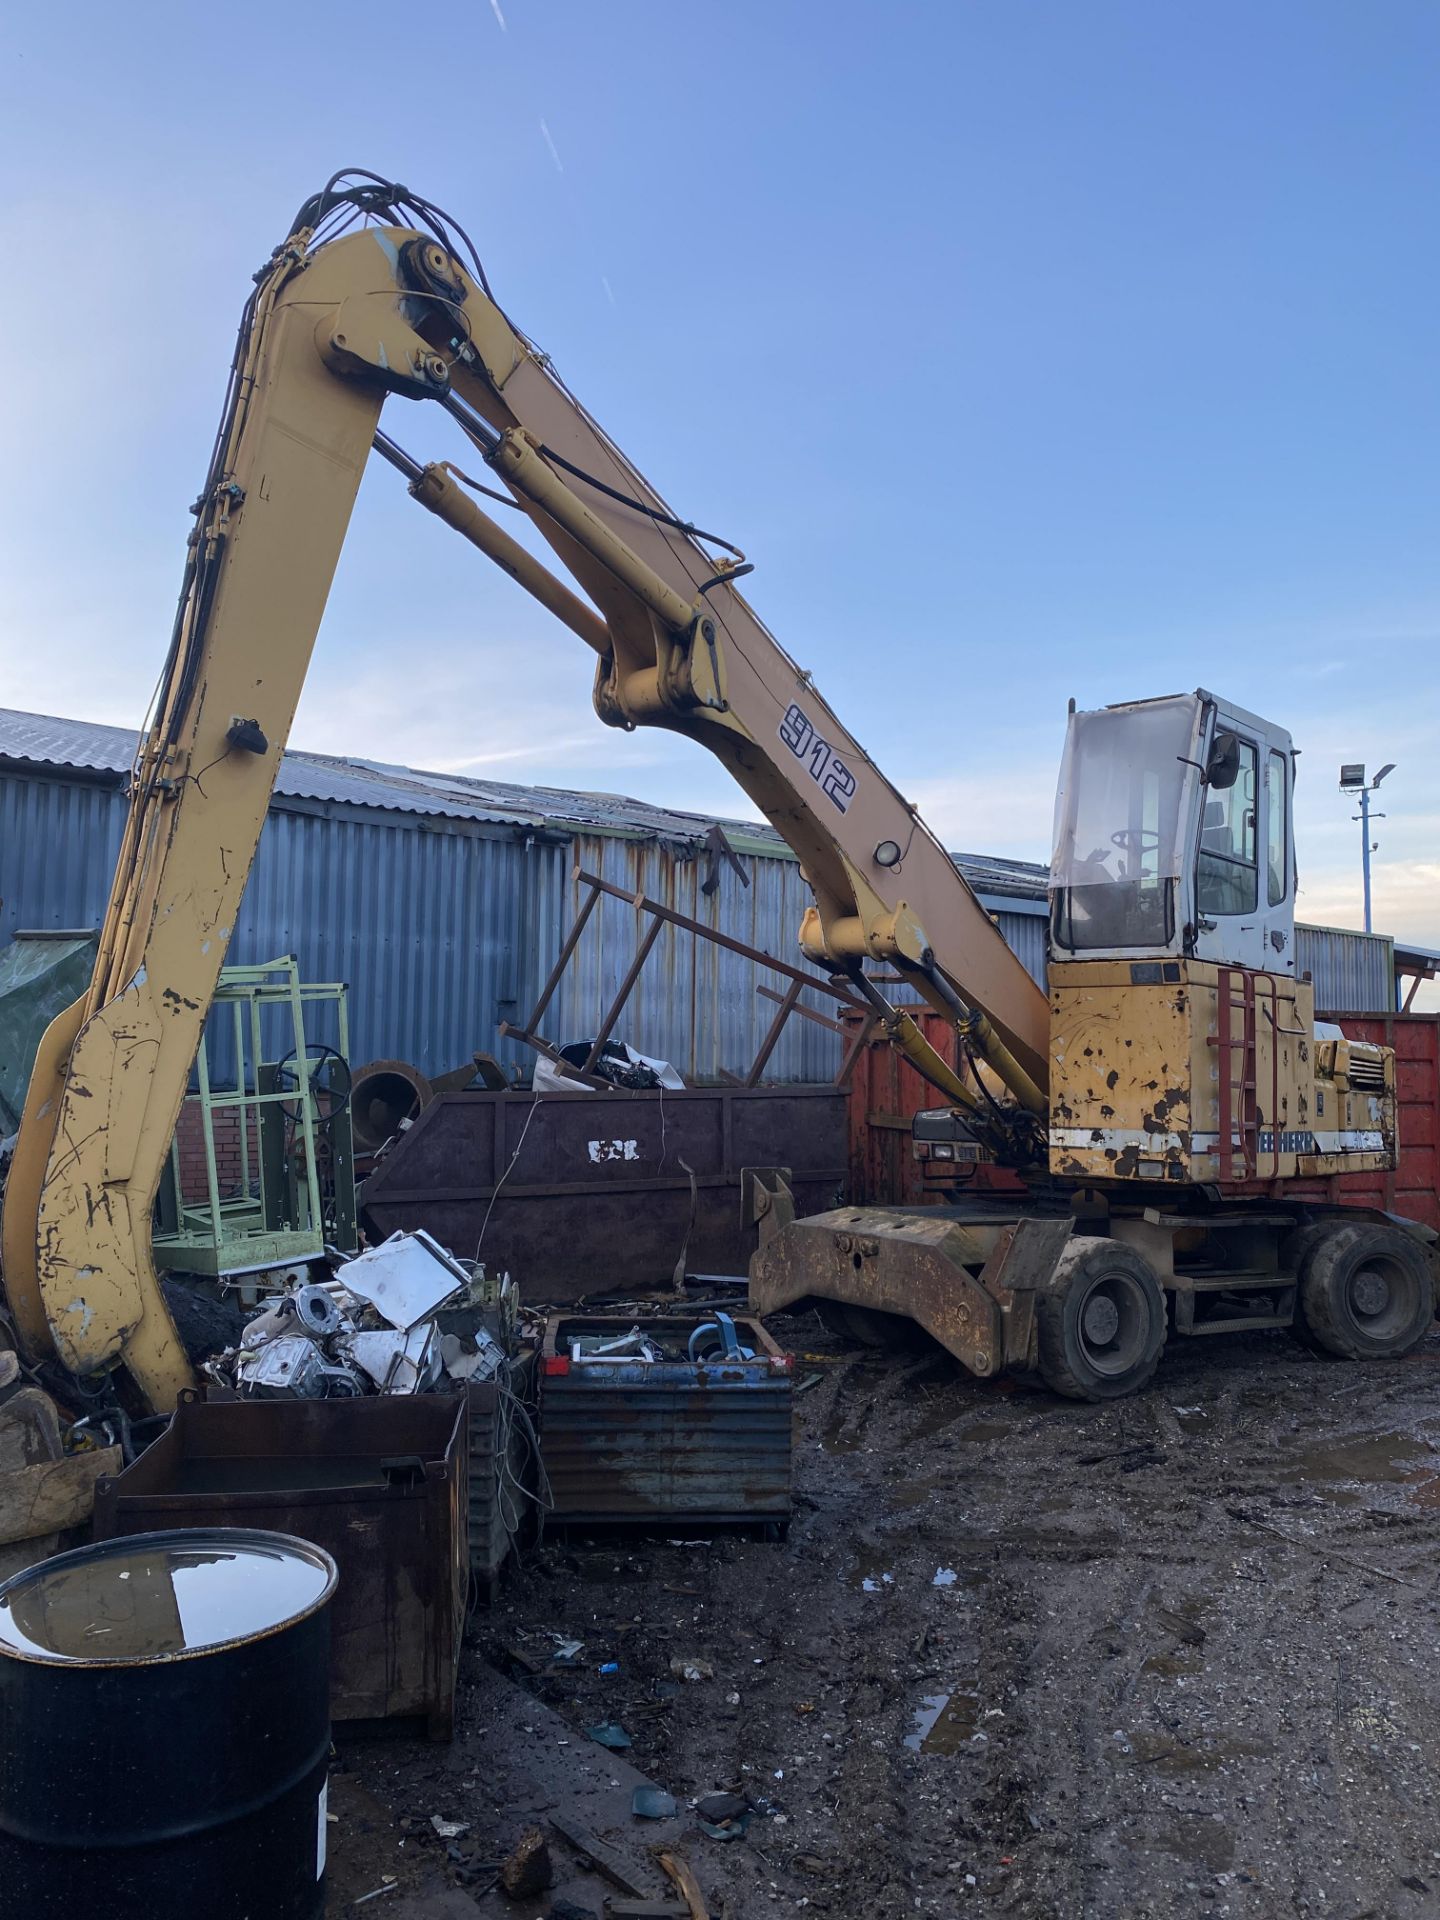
{"x": 442, "y": 901}
{"x": 1353, "y": 972}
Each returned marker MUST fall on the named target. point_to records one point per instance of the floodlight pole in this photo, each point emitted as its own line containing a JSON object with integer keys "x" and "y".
{"x": 1352, "y": 780}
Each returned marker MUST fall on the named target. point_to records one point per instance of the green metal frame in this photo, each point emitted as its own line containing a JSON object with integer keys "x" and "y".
{"x": 277, "y": 1217}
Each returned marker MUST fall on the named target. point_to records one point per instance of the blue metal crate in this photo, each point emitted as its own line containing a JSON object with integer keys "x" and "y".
{"x": 634, "y": 1441}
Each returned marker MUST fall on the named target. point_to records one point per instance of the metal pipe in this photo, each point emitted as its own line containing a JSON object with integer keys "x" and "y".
{"x": 437, "y": 490}
{"x": 904, "y": 1031}
{"x": 992, "y": 1049}
{"x": 528, "y": 471}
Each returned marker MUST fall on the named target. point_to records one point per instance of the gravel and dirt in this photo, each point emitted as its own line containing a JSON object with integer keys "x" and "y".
{"x": 1171, "y": 1656}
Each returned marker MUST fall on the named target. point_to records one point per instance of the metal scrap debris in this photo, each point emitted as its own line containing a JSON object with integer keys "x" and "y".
{"x": 369, "y": 1330}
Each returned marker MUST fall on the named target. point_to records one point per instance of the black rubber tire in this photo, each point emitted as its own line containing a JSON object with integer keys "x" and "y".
{"x": 1338, "y": 1286}
{"x": 1295, "y": 1251}
{"x": 1074, "y": 1357}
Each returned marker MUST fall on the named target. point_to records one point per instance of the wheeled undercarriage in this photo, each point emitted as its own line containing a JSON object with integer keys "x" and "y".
{"x": 1083, "y": 1294}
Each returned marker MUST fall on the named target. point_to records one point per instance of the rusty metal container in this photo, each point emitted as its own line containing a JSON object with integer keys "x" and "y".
{"x": 606, "y": 1173}
{"x": 634, "y": 1441}
{"x": 1413, "y": 1189}
{"x": 380, "y": 1484}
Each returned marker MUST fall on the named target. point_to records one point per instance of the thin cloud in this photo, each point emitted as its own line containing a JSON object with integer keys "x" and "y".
{"x": 554, "y": 151}
{"x": 500, "y": 18}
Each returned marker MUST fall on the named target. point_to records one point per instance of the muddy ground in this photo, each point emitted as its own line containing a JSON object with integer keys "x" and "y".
{"x": 1172, "y": 1656}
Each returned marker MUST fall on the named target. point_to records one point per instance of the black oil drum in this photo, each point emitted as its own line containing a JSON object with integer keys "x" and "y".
{"x": 164, "y": 1701}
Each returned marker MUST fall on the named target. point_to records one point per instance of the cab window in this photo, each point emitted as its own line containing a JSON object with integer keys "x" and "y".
{"x": 1228, "y": 876}
{"x": 1276, "y": 837}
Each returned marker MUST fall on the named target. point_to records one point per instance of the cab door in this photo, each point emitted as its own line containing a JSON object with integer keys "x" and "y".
{"x": 1245, "y": 870}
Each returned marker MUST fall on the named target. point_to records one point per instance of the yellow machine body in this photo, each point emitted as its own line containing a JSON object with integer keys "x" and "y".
{"x": 1154, "y": 1063}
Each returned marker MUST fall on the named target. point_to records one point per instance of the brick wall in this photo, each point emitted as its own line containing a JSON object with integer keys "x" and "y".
{"x": 191, "y": 1138}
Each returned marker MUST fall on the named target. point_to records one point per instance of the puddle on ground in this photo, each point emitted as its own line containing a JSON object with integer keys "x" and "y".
{"x": 836, "y": 1438}
{"x": 872, "y": 1574}
{"x": 912, "y": 1493}
{"x": 936, "y": 1421}
{"x": 1181, "y": 1622}
{"x": 1191, "y": 1836}
{"x": 943, "y": 1723}
{"x": 1376, "y": 1459}
{"x": 976, "y": 1434}
{"x": 1376, "y": 1456}
{"x": 1170, "y": 1756}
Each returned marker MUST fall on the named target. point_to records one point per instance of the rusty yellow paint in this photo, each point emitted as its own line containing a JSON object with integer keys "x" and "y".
{"x": 1136, "y": 1079}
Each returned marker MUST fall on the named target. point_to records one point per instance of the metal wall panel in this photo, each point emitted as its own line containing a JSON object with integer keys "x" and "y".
{"x": 438, "y": 934}
{"x": 1353, "y": 972}
{"x": 1028, "y": 935}
{"x": 58, "y": 844}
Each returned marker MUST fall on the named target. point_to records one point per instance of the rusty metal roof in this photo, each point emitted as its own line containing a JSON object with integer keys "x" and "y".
{"x": 39, "y": 739}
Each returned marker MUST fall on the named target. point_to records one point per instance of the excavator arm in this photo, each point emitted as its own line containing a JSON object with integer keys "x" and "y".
{"x": 335, "y": 326}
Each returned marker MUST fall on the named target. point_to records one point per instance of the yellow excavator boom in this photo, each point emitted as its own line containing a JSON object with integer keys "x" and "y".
{"x": 334, "y": 327}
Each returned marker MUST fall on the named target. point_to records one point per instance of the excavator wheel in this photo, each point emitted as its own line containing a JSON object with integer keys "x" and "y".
{"x": 1295, "y": 1251}
{"x": 1366, "y": 1292}
{"x": 1100, "y": 1323}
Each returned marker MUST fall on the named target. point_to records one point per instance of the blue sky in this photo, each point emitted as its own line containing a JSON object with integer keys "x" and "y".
{"x": 1047, "y": 348}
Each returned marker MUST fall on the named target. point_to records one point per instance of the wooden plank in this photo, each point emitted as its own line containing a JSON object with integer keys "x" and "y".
{"x": 606, "y": 1861}
{"x": 52, "y": 1495}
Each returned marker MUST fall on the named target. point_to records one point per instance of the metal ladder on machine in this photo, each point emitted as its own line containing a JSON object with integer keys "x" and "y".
{"x": 1239, "y": 1156}
{"x": 1246, "y": 1122}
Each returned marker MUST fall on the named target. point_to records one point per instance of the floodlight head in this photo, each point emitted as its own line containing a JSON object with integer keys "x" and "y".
{"x": 1389, "y": 767}
{"x": 1352, "y": 776}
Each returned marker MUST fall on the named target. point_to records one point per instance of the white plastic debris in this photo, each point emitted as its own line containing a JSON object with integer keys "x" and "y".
{"x": 690, "y": 1669}
{"x": 633, "y": 1345}
{"x": 405, "y": 1278}
{"x": 396, "y": 1362}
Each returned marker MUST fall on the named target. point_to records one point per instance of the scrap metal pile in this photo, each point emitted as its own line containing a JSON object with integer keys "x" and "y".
{"x": 375, "y": 1328}
{"x": 713, "y": 1342}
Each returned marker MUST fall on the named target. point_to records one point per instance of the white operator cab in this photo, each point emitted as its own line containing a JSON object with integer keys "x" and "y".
{"x": 1174, "y": 836}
